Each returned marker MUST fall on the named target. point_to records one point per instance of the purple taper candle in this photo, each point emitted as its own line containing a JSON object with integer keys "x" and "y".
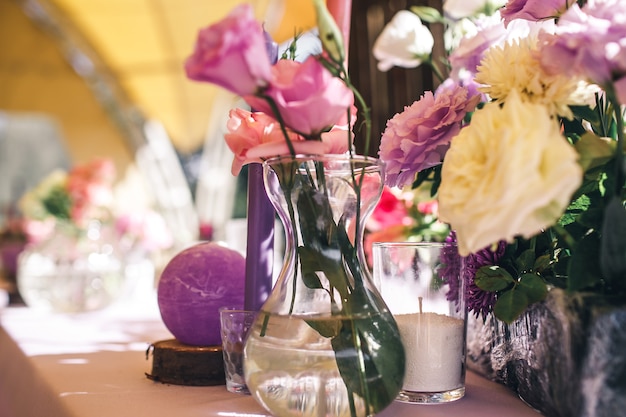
{"x": 260, "y": 244}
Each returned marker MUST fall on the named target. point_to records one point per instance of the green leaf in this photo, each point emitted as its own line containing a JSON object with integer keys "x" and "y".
{"x": 361, "y": 373}
{"x": 542, "y": 263}
{"x": 613, "y": 244}
{"x": 58, "y": 203}
{"x": 585, "y": 113}
{"x": 594, "y": 150}
{"x": 533, "y": 286}
{"x": 428, "y": 14}
{"x": 326, "y": 328}
{"x": 584, "y": 266}
{"x": 328, "y": 262}
{"x": 493, "y": 278}
{"x": 510, "y": 305}
{"x": 311, "y": 280}
{"x": 526, "y": 260}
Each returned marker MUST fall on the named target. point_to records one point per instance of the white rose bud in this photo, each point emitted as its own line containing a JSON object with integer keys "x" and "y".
{"x": 404, "y": 42}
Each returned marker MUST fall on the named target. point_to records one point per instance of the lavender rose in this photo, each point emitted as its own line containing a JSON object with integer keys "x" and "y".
{"x": 419, "y": 137}
{"x": 589, "y": 42}
{"x": 533, "y": 10}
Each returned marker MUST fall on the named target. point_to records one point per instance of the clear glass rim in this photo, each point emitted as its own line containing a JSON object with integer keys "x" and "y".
{"x": 407, "y": 244}
{"x": 323, "y": 157}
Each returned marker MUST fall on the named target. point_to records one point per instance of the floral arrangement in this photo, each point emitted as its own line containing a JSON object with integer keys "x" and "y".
{"x": 306, "y": 107}
{"x": 522, "y": 143}
{"x": 404, "y": 215}
{"x": 75, "y": 199}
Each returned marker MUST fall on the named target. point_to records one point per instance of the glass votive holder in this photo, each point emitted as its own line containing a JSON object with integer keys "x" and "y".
{"x": 422, "y": 286}
{"x": 235, "y": 325}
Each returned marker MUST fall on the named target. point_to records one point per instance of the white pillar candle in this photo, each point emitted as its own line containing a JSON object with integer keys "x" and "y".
{"x": 434, "y": 351}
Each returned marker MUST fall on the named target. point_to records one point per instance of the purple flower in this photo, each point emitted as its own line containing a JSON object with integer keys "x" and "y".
{"x": 480, "y": 301}
{"x": 476, "y": 300}
{"x": 450, "y": 270}
{"x": 467, "y": 56}
{"x": 533, "y": 10}
{"x": 588, "y": 42}
{"x": 419, "y": 137}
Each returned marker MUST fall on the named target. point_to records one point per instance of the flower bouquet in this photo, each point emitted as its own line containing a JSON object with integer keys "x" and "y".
{"x": 324, "y": 339}
{"x": 73, "y": 262}
{"x": 523, "y": 147}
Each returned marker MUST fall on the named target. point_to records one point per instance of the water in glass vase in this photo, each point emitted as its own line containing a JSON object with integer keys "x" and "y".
{"x": 291, "y": 368}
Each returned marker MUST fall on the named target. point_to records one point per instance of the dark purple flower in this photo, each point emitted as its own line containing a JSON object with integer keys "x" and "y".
{"x": 450, "y": 270}
{"x": 480, "y": 301}
{"x": 476, "y": 300}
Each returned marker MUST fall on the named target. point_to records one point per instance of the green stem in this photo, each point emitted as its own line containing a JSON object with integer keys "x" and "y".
{"x": 436, "y": 70}
{"x": 281, "y": 122}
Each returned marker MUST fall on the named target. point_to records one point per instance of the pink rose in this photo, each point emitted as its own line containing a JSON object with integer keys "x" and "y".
{"x": 146, "y": 229}
{"x": 389, "y": 211}
{"x": 339, "y": 139}
{"x": 255, "y": 136}
{"x": 309, "y": 98}
{"x": 90, "y": 187}
{"x": 232, "y": 54}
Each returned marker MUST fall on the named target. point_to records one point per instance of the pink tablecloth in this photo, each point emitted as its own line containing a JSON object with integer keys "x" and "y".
{"x": 94, "y": 366}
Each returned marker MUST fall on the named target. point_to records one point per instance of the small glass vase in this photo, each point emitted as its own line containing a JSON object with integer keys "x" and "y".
{"x": 324, "y": 342}
{"x": 72, "y": 270}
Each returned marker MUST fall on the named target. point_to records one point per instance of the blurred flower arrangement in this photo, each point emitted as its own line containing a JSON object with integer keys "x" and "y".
{"x": 404, "y": 215}
{"x": 521, "y": 144}
{"x": 74, "y": 200}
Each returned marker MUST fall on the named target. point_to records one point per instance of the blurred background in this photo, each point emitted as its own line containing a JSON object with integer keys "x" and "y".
{"x": 85, "y": 79}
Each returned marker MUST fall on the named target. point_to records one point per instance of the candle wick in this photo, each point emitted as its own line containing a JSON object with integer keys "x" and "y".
{"x": 420, "y": 302}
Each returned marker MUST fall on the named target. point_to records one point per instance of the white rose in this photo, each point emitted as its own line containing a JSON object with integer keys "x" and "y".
{"x": 404, "y": 42}
{"x": 458, "y": 9}
{"x": 509, "y": 173}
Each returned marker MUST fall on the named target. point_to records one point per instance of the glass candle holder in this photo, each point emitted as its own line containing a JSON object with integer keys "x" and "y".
{"x": 422, "y": 286}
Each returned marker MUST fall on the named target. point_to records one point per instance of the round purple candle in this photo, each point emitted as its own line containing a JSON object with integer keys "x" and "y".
{"x": 194, "y": 285}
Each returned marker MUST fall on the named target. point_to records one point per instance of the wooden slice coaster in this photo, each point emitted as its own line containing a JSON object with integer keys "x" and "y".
{"x": 176, "y": 363}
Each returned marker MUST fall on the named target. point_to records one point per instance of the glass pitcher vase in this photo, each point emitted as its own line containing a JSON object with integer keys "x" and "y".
{"x": 324, "y": 342}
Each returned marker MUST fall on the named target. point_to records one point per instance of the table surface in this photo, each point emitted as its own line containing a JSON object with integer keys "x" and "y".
{"x": 94, "y": 365}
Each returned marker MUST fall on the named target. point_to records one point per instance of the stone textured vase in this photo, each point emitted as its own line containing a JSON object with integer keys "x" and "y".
{"x": 324, "y": 342}
{"x": 566, "y": 356}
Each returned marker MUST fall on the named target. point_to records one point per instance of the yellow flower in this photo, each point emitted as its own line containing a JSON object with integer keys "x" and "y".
{"x": 510, "y": 172}
{"x": 514, "y": 66}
